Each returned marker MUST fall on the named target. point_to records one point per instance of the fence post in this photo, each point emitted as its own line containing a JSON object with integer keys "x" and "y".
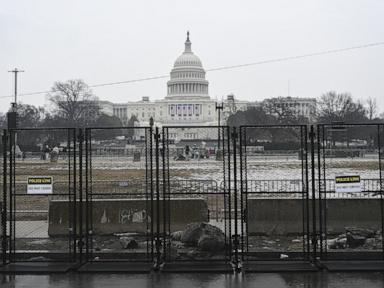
{"x": 381, "y": 189}
{"x": 312, "y": 136}
{"x": 151, "y": 185}
{"x": 157, "y": 159}
{"x": 4, "y": 206}
{"x": 236, "y": 235}
{"x": 12, "y": 191}
{"x": 80, "y": 139}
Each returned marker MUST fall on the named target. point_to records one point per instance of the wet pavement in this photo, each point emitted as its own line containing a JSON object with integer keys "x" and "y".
{"x": 274, "y": 280}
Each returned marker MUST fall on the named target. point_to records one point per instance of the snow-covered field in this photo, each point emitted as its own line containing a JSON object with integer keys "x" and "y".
{"x": 265, "y": 167}
{"x": 268, "y": 173}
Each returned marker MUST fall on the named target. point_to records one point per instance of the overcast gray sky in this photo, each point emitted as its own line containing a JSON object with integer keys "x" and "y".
{"x": 108, "y": 41}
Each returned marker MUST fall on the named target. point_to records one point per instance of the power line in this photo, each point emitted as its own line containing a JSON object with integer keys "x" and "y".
{"x": 276, "y": 60}
{"x": 288, "y": 58}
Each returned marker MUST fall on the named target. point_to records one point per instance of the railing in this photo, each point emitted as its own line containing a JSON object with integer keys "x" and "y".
{"x": 371, "y": 188}
{"x": 286, "y": 188}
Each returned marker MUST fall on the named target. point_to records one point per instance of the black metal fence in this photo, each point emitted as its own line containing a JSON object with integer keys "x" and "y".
{"x": 274, "y": 194}
{"x": 350, "y": 214}
{"x": 118, "y": 196}
{"x": 196, "y": 220}
{"x": 35, "y": 182}
{"x": 212, "y": 198}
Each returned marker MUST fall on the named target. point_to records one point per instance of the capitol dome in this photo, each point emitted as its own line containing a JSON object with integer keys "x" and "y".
{"x": 187, "y": 75}
{"x": 188, "y": 58}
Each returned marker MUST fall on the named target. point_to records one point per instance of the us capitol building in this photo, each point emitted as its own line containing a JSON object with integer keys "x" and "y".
{"x": 187, "y": 102}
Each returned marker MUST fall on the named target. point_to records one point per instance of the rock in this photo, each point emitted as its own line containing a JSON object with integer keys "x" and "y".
{"x": 296, "y": 241}
{"x": 269, "y": 242}
{"x": 204, "y": 236}
{"x": 354, "y": 241}
{"x": 341, "y": 243}
{"x": 192, "y": 234}
{"x": 332, "y": 243}
{"x": 284, "y": 256}
{"x": 366, "y": 233}
{"x": 211, "y": 243}
{"x": 194, "y": 231}
{"x": 342, "y": 236}
{"x": 176, "y": 236}
{"x": 178, "y": 245}
{"x": 196, "y": 254}
{"x": 128, "y": 243}
{"x": 370, "y": 242}
{"x": 192, "y": 254}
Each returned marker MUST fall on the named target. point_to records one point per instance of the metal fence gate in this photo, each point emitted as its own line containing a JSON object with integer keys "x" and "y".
{"x": 275, "y": 200}
{"x": 3, "y": 201}
{"x": 118, "y": 206}
{"x": 40, "y": 183}
{"x": 135, "y": 198}
{"x": 350, "y": 198}
{"x": 195, "y": 209}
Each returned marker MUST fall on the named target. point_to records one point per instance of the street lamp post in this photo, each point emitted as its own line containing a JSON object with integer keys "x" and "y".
{"x": 219, "y": 108}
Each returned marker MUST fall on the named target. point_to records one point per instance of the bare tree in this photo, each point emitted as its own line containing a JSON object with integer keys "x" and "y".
{"x": 372, "y": 108}
{"x": 74, "y": 101}
{"x": 335, "y": 106}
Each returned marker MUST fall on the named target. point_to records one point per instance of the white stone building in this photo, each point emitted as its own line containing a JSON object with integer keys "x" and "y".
{"x": 188, "y": 102}
{"x": 301, "y": 107}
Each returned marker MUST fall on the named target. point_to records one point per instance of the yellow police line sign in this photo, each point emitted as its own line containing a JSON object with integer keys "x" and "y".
{"x": 348, "y": 183}
{"x": 39, "y": 185}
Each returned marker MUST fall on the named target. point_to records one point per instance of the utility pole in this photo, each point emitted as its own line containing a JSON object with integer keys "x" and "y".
{"x": 12, "y": 115}
{"x": 15, "y": 72}
{"x": 219, "y": 108}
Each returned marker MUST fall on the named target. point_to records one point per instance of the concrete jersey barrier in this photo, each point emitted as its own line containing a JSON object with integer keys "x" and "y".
{"x": 127, "y": 215}
{"x": 285, "y": 216}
